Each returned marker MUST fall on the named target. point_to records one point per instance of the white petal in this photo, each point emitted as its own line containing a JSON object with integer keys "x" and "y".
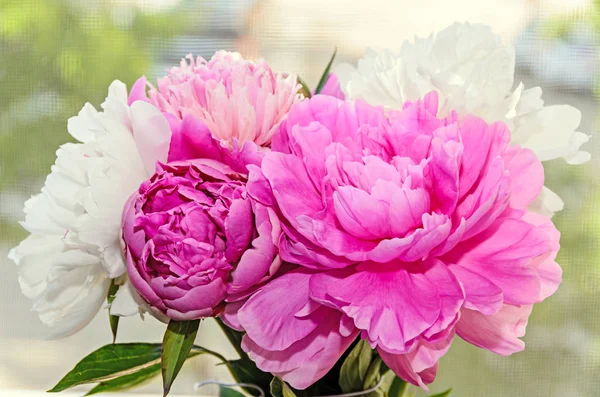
{"x": 152, "y": 134}
{"x": 66, "y": 264}
{"x": 344, "y": 73}
{"x": 473, "y": 73}
{"x": 67, "y": 286}
{"x": 82, "y": 126}
{"x": 547, "y": 203}
{"x": 83, "y": 309}
{"x": 125, "y": 302}
{"x": 112, "y": 259}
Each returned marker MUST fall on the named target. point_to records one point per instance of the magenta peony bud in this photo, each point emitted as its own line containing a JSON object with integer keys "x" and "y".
{"x": 192, "y": 237}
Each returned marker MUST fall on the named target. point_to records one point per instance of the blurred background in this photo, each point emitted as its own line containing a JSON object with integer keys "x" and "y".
{"x": 57, "y": 54}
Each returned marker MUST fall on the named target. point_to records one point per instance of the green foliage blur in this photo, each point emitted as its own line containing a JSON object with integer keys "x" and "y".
{"x": 55, "y": 55}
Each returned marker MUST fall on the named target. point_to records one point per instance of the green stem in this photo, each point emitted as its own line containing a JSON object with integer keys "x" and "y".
{"x": 113, "y": 320}
{"x": 232, "y": 337}
{"x": 211, "y": 352}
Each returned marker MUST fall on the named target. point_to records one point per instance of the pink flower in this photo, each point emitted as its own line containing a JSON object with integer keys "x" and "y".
{"x": 411, "y": 228}
{"x": 238, "y": 100}
{"x": 187, "y": 232}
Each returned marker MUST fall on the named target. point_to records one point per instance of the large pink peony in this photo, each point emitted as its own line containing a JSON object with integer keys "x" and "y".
{"x": 408, "y": 229}
{"x": 237, "y": 99}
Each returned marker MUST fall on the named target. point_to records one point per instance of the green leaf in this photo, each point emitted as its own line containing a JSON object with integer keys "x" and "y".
{"x": 138, "y": 378}
{"x": 229, "y": 392}
{"x": 325, "y": 75}
{"x": 177, "y": 344}
{"x": 355, "y": 367}
{"x": 373, "y": 376}
{"x": 304, "y": 89}
{"x": 114, "y": 320}
{"x": 398, "y": 388}
{"x": 373, "y": 373}
{"x": 108, "y": 362}
{"x": 442, "y": 394}
{"x": 279, "y": 388}
{"x": 127, "y": 381}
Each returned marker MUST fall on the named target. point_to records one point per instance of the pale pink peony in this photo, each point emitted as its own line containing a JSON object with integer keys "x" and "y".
{"x": 408, "y": 229}
{"x": 238, "y": 100}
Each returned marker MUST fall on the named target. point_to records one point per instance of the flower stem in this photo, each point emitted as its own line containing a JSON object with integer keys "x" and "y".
{"x": 234, "y": 337}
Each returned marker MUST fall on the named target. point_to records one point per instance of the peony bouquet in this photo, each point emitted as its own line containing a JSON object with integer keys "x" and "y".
{"x": 341, "y": 238}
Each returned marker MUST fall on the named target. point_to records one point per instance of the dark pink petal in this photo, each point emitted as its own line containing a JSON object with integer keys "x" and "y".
{"x": 138, "y": 91}
{"x": 229, "y": 315}
{"x": 361, "y": 215}
{"x": 238, "y": 229}
{"x": 504, "y": 255}
{"x": 191, "y": 139}
{"x": 436, "y": 229}
{"x": 480, "y": 293}
{"x": 301, "y": 251}
{"x": 419, "y": 366}
{"x": 261, "y": 261}
{"x": 291, "y": 186}
{"x": 444, "y": 166}
{"x": 309, "y": 359}
{"x": 269, "y": 316}
{"x": 482, "y": 144}
{"x": 392, "y": 315}
{"x": 309, "y": 144}
{"x": 487, "y": 202}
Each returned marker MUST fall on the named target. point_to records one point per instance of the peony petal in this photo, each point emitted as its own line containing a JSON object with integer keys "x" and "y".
{"x": 126, "y": 301}
{"x": 419, "y": 366}
{"x": 392, "y": 316}
{"x": 527, "y": 176}
{"x": 152, "y": 134}
{"x": 480, "y": 293}
{"x": 269, "y": 315}
{"x": 288, "y": 177}
{"x": 138, "y": 91}
{"x": 499, "y": 332}
{"x": 503, "y": 254}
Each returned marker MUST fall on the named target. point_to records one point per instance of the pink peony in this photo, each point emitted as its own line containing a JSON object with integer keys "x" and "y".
{"x": 187, "y": 231}
{"x": 238, "y": 100}
{"x": 407, "y": 228}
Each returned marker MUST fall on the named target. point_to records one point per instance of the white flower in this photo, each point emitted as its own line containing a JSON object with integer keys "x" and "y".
{"x": 473, "y": 72}
{"x": 74, "y": 249}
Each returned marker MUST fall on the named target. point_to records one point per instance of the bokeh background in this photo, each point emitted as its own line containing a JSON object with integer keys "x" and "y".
{"x": 57, "y": 54}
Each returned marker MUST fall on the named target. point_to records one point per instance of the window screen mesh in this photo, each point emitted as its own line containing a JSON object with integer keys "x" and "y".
{"x": 57, "y": 54}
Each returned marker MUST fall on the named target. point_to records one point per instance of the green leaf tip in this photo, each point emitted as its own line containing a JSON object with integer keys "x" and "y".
{"x": 177, "y": 344}
{"x": 355, "y": 367}
{"x": 325, "y": 74}
{"x": 279, "y": 388}
{"x": 442, "y": 394}
{"x": 113, "y": 320}
{"x": 109, "y": 362}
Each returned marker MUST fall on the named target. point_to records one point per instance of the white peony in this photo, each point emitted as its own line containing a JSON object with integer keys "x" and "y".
{"x": 74, "y": 250}
{"x": 473, "y": 72}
